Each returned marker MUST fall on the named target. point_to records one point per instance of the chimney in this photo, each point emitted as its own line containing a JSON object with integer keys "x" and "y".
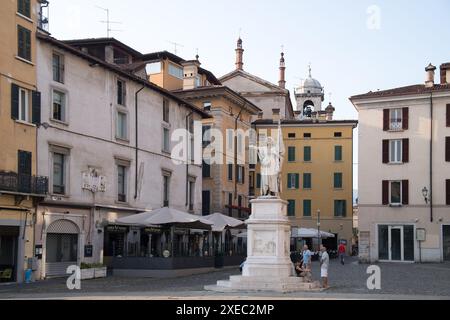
{"x": 260, "y": 115}
{"x": 282, "y": 81}
{"x": 109, "y": 54}
{"x": 276, "y": 114}
{"x": 429, "y": 80}
{"x": 239, "y": 55}
{"x": 329, "y": 110}
{"x": 445, "y": 73}
{"x": 190, "y": 74}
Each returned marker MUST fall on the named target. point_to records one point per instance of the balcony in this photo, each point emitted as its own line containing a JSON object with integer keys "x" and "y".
{"x": 14, "y": 183}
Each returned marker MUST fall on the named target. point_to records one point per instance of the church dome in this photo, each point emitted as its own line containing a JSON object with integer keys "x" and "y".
{"x": 310, "y": 86}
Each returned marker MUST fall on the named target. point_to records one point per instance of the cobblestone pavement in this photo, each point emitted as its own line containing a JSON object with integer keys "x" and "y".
{"x": 400, "y": 280}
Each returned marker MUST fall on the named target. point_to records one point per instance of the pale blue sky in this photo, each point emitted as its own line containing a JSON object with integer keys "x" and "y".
{"x": 347, "y": 57}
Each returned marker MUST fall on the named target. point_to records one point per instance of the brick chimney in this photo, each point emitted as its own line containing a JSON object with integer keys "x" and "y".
{"x": 190, "y": 74}
{"x": 445, "y": 73}
{"x": 429, "y": 80}
{"x": 239, "y": 55}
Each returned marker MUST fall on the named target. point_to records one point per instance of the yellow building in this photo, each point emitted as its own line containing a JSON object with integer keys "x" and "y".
{"x": 20, "y": 189}
{"x": 317, "y": 175}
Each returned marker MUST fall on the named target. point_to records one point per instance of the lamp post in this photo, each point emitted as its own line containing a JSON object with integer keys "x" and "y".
{"x": 318, "y": 230}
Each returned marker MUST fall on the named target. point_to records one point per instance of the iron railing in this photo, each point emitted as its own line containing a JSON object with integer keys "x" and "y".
{"x": 23, "y": 183}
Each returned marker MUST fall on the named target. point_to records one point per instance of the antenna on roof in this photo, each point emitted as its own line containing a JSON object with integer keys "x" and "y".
{"x": 108, "y": 22}
{"x": 175, "y": 46}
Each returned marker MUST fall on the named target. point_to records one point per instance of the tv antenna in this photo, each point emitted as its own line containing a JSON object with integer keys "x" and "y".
{"x": 108, "y": 22}
{"x": 175, "y": 46}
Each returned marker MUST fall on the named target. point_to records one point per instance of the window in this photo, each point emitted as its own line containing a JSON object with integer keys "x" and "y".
{"x": 307, "y": 135}
{"x": 58, "y": 68}
{"x": 307, "y": 208}
{"x": 24, "y": 43}
{"x": 340, "y": 208}
{"x": 166, "y": 186}
{"x": 395, "y": 188}
{"x": 230, "y": 137}
{"x": 291, "y": 208}
{"x": 206, "y": 202}
{"x": 258, "y": 180}
{"x": 230, "y": 171}
{"x": 395, "y": 151}
{"x": 293, "y": 180}
{"x": 191, "y": 195}
{"x": 338, "y": 180}
{"x": 166, "y": 140}
{"x": 23, "y": 105}
{"x": 337, "y": 134}
{"x": 121, "y": 128}
{"x": 175, "y": 71}
{"x": 307, "y": 181}
{"x": 447, "y": 192}
{"x": 306, "y": 154}
{"x": 24, "y": 171}
{"x": 207, "y": 106}
{"x": 23, "y": 7}
{"x": 59, "y": 173}
{"x": 337, "y": 153}
{"x": 206, "y": 170}
{"x": 153, "y": 68}
{"x": 230, "y": 204}
{"x": 291, "y": 135}
{"x": 121, "y": 92}
{"x": 59, "y": 106}
{"x": 206, "y": 134}
{"x": 240, "y": 174}
{"x": 291, "y": 154}
{"x": 166, "y": 110}
{"x": 395, "y": 119}
{"x": 198, "y": 81}
{"x": 121, "y": 183}
{"x": 447, "y": 149}
{"x": 240, "y": 144}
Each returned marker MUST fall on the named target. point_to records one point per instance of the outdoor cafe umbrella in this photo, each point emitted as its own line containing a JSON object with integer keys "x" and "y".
{"x": 221, "y": 222}
{"x": 310, "y": 233}
{"x": 167, "y": 216}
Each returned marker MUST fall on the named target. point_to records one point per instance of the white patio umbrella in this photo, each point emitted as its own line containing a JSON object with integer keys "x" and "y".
{"x": 310, "y": 233}
{"x": 221, "y": 222}
{"x": 167, "y": 216}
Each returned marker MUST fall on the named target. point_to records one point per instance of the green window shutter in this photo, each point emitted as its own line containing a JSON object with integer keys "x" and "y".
{"x": 307, "y": 181}
{"x": 337, "y": 180}
{"x": 14, "y": 101}
{"x": 291, "y": 153}
{"x": 36, "y": 107}
{"x": 340, "y": 208}
{"x": 297, "y": 181}
{"x": 306, "y": 208}
{"x": 258, "y": 180}
{"x": 289, "y": 180}
{"x": 291, "y": 208}
{"x": 338, "y": 153}
{"x": 307, "y": 154}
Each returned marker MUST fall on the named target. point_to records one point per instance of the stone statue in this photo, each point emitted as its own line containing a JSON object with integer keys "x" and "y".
{"x": 271, "y": 155}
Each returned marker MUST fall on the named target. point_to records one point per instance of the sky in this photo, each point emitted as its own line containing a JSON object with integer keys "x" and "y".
{"x": 353, "y": 46}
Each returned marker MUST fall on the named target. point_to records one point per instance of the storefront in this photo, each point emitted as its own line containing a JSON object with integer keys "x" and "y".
{"x": 396, "y": 242}
{"x": 9, "y": 239}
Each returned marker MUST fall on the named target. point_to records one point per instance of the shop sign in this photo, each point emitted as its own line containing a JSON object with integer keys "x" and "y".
{"x": 88, "y": 250}
{"x": 116, "y": 228}
{"x": 420, "y": 234}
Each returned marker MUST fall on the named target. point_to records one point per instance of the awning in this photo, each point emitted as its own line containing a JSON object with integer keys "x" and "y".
{"x": 221, "y": 222}
{"x": 167, "y": 216}
{"x": 310, "y": 233}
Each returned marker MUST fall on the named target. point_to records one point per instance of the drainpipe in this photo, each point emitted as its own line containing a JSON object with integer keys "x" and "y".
{"x": 187, "y": 156}
{"x": 136, "y": 137}
{"x": 431, "y": 157}
{"x": 235, "y": 150}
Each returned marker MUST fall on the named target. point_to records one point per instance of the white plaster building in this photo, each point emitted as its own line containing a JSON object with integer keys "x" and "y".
{"x": 404, "y": 172}
{"x": 89, "y": 129}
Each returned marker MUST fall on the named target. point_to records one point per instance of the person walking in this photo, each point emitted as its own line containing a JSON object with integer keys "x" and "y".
{"x": 341, "y": 251}
{"x": 324, "y": 263}
{"x": 306, "y": 254}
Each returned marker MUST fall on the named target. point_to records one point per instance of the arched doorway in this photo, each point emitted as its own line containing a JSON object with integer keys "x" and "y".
{"x": 308, "y": 107}
{"x": 61, "y": 247}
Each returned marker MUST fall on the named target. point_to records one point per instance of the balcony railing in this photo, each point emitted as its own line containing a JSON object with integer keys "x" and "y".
{"x": 23, "y": 183}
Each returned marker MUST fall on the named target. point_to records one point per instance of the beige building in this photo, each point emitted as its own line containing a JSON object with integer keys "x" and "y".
{"x": 20, "y": 188}
{"x": 404, "y": 171}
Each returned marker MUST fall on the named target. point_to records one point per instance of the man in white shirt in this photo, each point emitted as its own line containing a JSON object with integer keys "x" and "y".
{"x": 324, "y": 263}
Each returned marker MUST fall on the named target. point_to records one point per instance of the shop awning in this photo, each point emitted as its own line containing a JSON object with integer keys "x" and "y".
{"x": 167, "y": 216}
{"x": 309, "y": 233}
{"x": 221, "y": 222}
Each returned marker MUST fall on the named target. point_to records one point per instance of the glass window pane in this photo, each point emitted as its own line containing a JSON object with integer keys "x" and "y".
{"x": 383, "y": 247}
{"x": 408, "y": 244}
{"x": 395, "y": 192}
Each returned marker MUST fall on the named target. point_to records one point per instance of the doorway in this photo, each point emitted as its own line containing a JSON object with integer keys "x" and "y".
{"x": 8, "y": 253}
{"x": 396, "y": 242}
{"x": 446, "y": 242}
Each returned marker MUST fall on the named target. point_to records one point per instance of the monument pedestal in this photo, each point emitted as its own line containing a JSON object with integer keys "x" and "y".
{"x": 268, "y": 266}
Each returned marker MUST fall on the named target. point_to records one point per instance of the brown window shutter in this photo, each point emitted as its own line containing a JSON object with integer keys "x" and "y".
{"x": 405, "y": 120}
{"x": 405, "y": 192}
{"x": 447, "y": 192}
{"x": 385, "y": 119}
{"x": 385, "y": 151}
{"x": 447, "y": 149}
{"x": 385, "y": 192}
{"x": 448, "y": 115}
{"x": 405, "y": 150}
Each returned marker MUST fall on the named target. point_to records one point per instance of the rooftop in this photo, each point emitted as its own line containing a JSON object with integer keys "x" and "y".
{"x": 402, "y": 91}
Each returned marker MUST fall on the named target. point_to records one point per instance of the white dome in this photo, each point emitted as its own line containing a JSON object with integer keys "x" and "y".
{"x": 310, "y": 85}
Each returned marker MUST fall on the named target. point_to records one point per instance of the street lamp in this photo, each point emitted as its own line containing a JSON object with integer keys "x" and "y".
{"x": 318, "y": 229}
{"x": 425, "y": 194}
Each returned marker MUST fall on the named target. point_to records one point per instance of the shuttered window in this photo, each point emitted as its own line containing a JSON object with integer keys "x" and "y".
{"x": 307, "y": 208}
{"x": 23, "y": 7}
{"x": 340, "y": 207}
{"x": 293, "y": 180}
{"x": 448, "y": 115}
{"x": 230, "y": 171}
{"x": 307, "y": 181}
{"x": 447, "y": 149}
{"x": 447, "y": 192}
{"x": 395, "y": 151}
{"x": 24, "y": 43}
{"x": 306, "y": 154}
{"x": 291, "y": 154}
{"x": 337, "y": 153}
{"x": 338, "y": 180}
{"x": 291, "y": 208}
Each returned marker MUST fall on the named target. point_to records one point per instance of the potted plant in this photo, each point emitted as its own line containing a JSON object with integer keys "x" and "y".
{"x": 99, "y": 270}
{"x": 87, "y": 272}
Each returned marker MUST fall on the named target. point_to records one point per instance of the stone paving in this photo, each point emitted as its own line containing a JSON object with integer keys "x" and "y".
{"x": 400, "y": 280}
